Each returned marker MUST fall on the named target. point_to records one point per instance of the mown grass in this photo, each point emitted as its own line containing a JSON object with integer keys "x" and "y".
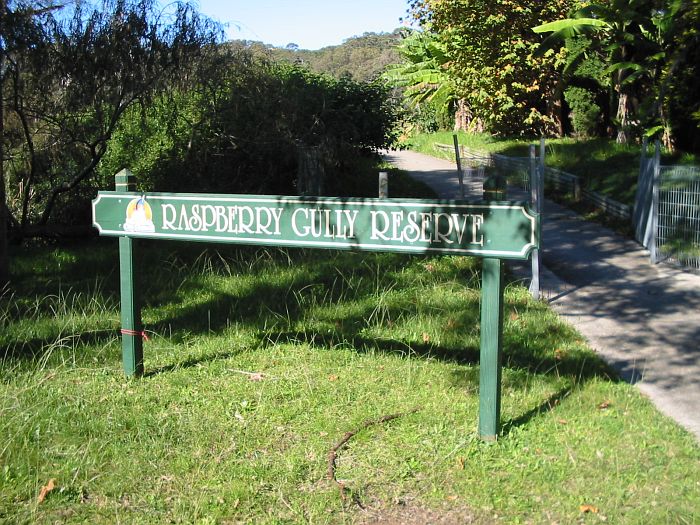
{"x": 260, "y": 360}
{"x": 605, "y": 166}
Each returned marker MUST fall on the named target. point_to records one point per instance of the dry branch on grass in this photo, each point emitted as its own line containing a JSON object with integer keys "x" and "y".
{"x": 333, "y": 453}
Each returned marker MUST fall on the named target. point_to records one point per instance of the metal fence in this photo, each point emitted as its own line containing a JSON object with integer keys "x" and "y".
{"x": 517, "y": 172}
{"x": 678, "y": 221}
{"x": 666, "y": 214}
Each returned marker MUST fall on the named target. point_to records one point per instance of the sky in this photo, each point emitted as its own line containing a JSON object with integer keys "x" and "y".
{"x": 311, "y": 24}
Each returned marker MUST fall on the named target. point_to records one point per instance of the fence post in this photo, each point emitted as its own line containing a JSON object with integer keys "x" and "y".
{"x": 383, "y": 185}
{"x": 540, "y": 184}
{"x": 643, "y": 155}
{"x": 458, "y": 158}
{"x": 132, "y": 328}
{"x": 577, "y": 189}
{"x": 536, "y": 177}
{"x": 542, "y": 149}
{"x": 641, "y": 212}
{"x": 653, "y": 252}
{"x": 310, "y": 170}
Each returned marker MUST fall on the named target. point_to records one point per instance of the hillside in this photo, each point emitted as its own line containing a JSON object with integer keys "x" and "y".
{"x": 360, "y": 58}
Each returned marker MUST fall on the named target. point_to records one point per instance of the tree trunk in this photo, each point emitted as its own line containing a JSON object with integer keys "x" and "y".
{"x": 623, "y": 103}
{"x": 623, "y": 118}
{"x": 4, "y": 255}
{"x": 555, "y": 106}
{"x": 463, "y": 116}
{"x": 555, "y": 113}
{"x": 667, "y": 139}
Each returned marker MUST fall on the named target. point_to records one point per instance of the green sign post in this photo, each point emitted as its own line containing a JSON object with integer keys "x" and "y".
{"x": 492, "y": 230}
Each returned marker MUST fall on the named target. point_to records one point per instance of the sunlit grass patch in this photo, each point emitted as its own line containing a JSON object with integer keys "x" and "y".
{"x": 259, "y": 361}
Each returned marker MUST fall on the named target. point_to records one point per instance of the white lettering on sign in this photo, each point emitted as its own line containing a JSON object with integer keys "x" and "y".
{"x": 322, "y": 224}
{"x": 410, "y": 227}
{"x": 222, "y": 219}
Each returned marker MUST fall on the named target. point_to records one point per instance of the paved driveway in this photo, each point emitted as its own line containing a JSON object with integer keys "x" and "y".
{"x": 642, "y": 319}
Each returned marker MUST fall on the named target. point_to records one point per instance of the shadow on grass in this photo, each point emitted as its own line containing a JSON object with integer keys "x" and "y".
{"x": 190, "y": 363}
{"x": 31, "y": 349}
{"x": 547, "y": 406}
{"x": 281, "y": 290}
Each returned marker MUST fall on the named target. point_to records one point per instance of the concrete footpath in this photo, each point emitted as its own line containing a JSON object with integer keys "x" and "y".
{"x": 644, "y": 320}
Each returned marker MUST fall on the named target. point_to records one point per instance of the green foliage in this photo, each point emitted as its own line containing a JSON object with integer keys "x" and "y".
{"x": 491, "y": 60}
{"x": 585, "y": 113}
{"x": 244, "y": 135}
{"x": 422, "y": 75}
{"x": 126, "y": 84}
{"x": 71, "y": 76}
{"x": 427, "y": 118}
{"x": 514, "y": 82}
{"x": 683, "y": 78}
{"x": 645, "y": 45}
{"x": 423, "y": 81}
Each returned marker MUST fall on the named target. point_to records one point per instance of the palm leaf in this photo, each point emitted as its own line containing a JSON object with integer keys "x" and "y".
{"x": 570, "y": 27}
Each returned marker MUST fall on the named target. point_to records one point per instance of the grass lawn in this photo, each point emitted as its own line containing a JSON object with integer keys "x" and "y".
{"x": 606, "y": 167}
{"x": 259, "y": 362}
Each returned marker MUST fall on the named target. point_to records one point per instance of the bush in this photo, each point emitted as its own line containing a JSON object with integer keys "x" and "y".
{"x": 585, "y": 113}
{"x": 244, "y": 135}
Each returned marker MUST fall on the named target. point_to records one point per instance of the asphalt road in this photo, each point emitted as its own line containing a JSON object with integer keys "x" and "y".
{"x": 643, "y": 319}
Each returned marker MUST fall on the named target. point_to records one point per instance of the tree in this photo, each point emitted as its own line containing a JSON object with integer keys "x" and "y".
{"x": 68, "y": 88}
{"x": 423, "y": 75}
{"x": 491, "y": 47}
{"x": 639, "y": 40}
{"x": 679, "y": 95}
{"x": 4, "y": 257}
{"x": 12, "y": 39}
{"x": 243, "y": 132}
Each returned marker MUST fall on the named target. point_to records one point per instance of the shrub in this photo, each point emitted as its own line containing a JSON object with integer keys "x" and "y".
{"x": 244, "y": 134}
{"x": 585, "y": 113}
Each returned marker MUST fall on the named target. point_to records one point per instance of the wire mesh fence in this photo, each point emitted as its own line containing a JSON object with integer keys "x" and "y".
{"x": 678, "y": 227}
{"x": 668, "y": 224}
{"x": 516, "y": 170}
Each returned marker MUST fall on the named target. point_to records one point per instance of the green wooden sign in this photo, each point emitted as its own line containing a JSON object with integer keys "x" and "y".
{"x": 504, "y": 230}
{"x": 493, "y": 230}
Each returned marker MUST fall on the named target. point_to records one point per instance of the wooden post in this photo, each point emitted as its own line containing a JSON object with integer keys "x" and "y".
{"x": 132, "y": 328}
{"x": 458, "y": 158}
{"x": 491, "y": 349}
{"x": 310, "y": 170}
{"x": 536, "y": 182}
{"x": 577, "y": 189}
{"x": 383, "y": 185}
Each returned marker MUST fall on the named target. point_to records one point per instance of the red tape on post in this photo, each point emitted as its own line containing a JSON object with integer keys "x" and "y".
{"x": 142, "y": 333}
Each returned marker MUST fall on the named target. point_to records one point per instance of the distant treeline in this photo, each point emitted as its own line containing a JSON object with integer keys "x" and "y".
{"x": 360, "y": 58}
